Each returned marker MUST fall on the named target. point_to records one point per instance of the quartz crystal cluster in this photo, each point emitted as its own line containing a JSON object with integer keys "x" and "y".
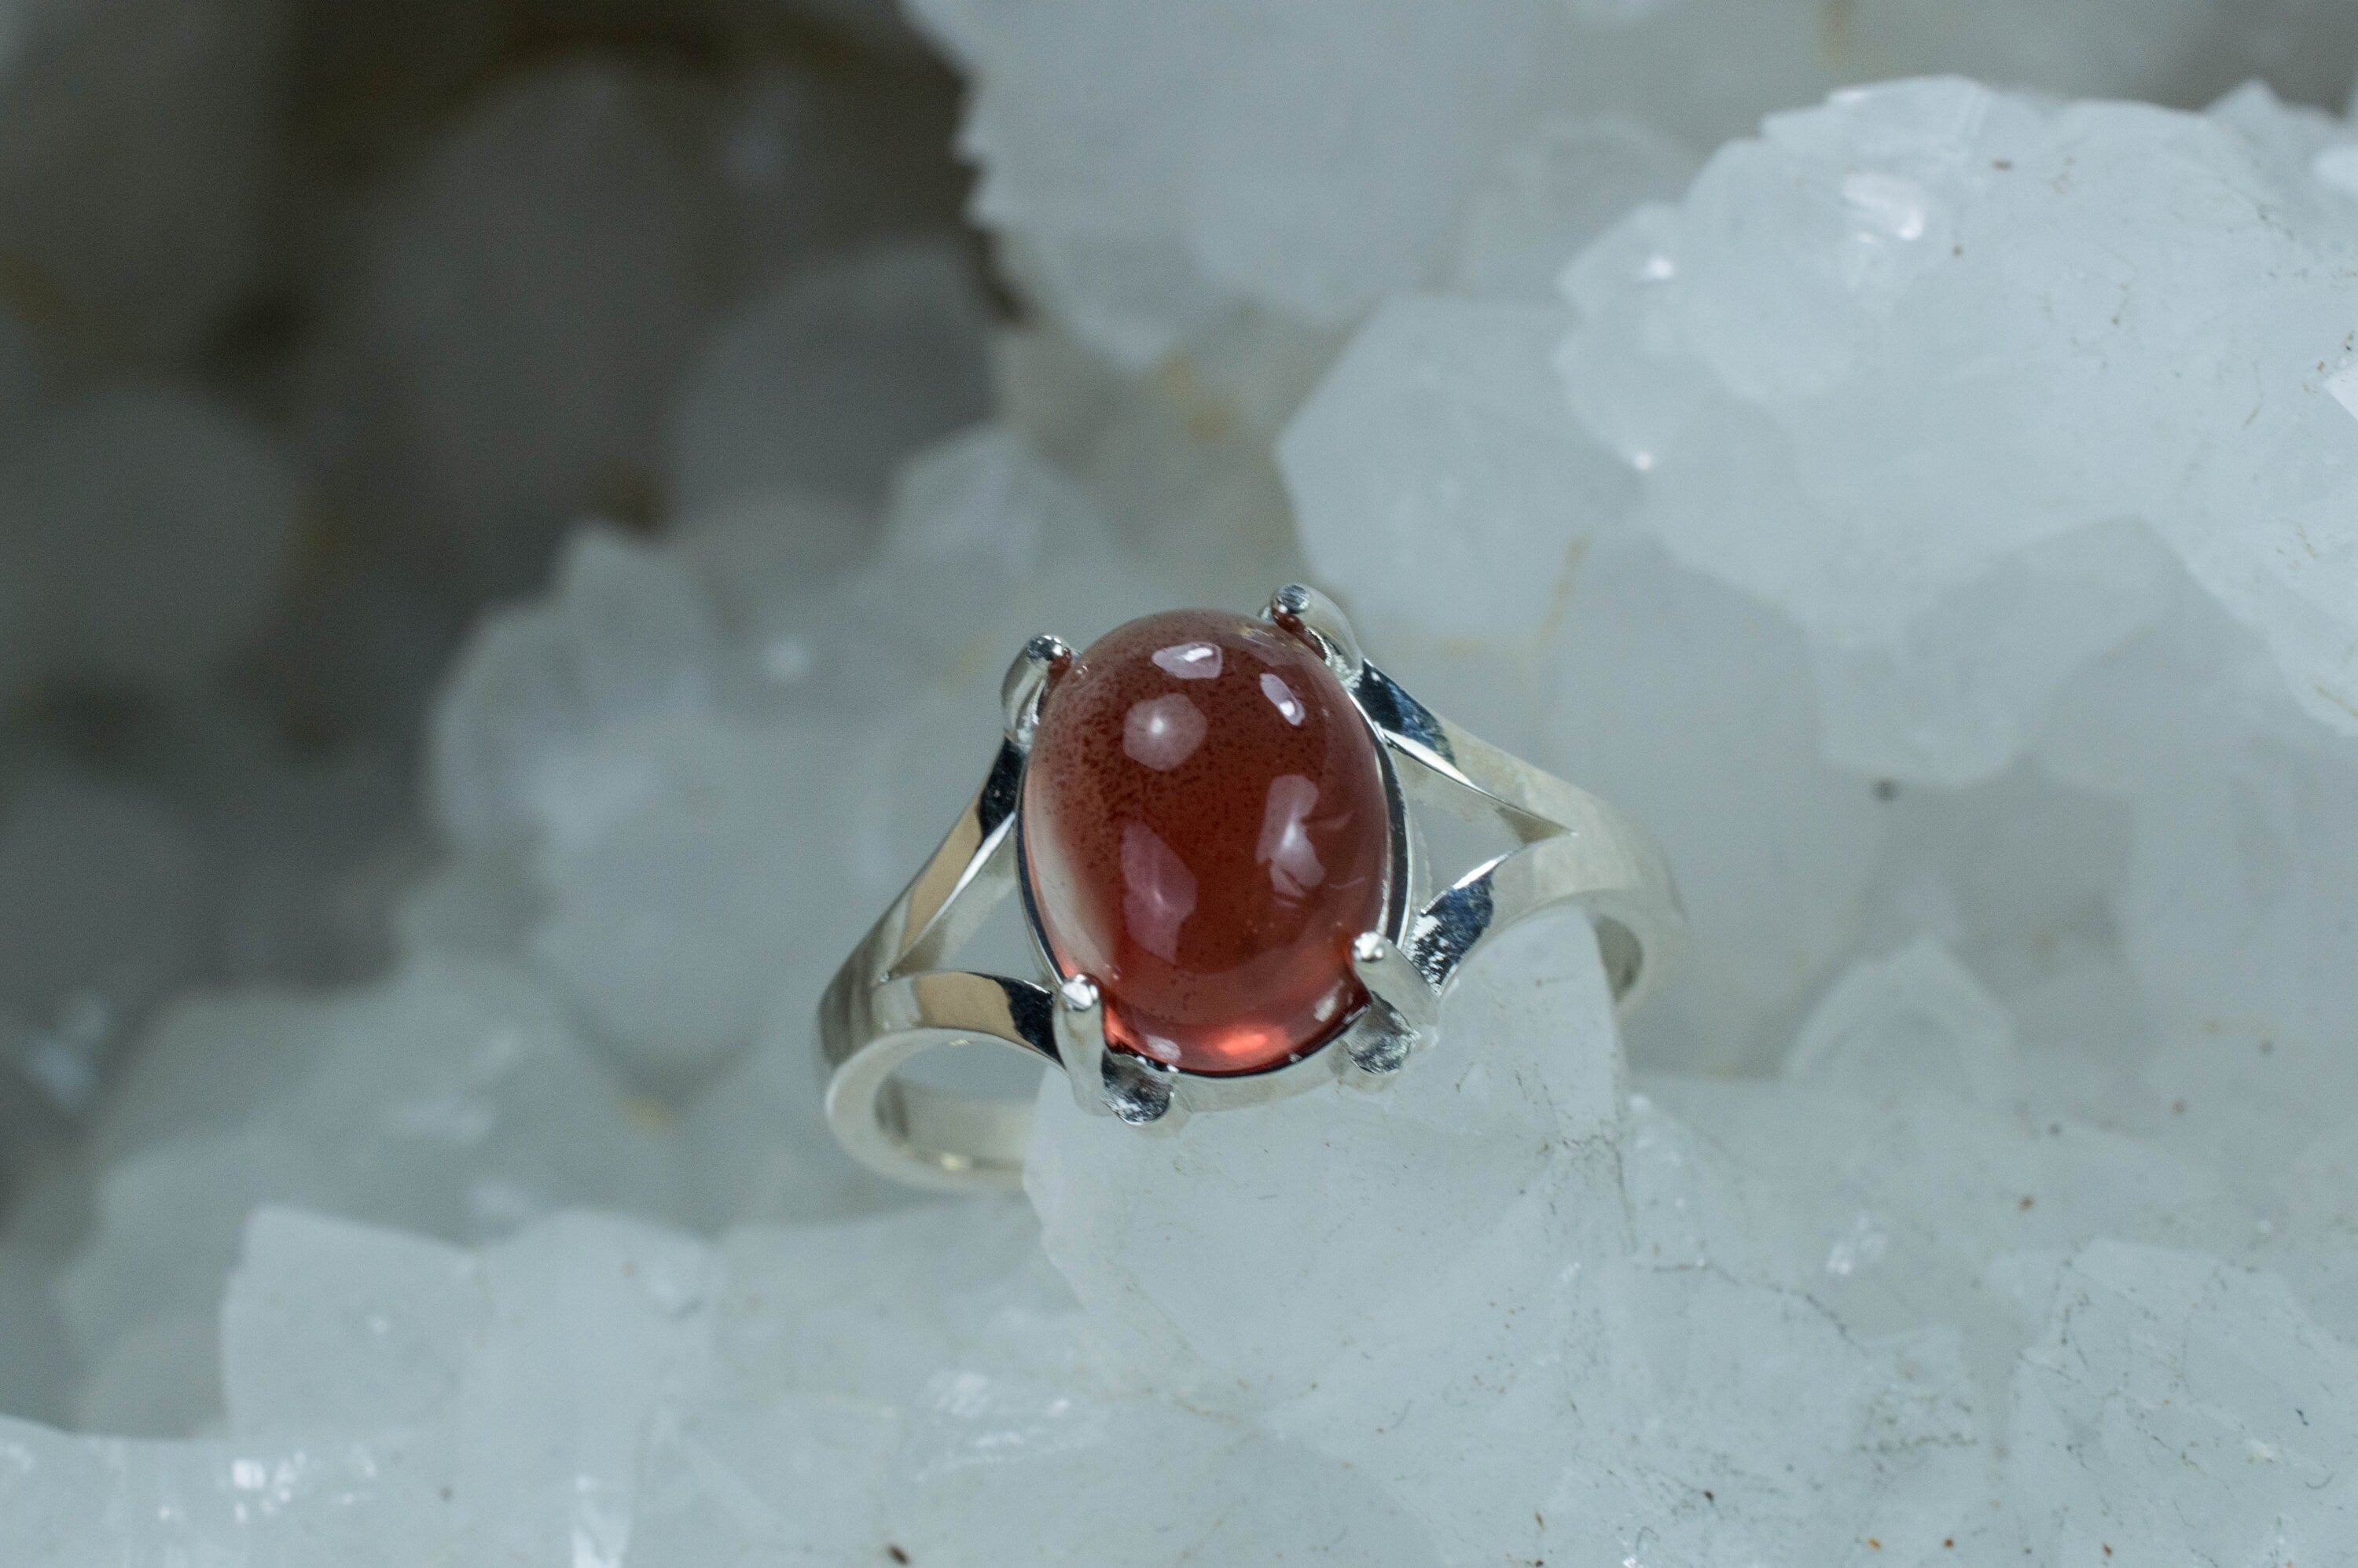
{"x": 1931, "y": 506}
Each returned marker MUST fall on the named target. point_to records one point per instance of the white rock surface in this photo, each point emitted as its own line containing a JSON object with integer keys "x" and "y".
{"x": 923, "y": 1381}
{"x": 2180, "y": 1410}
{"x": 1932, "y": 223}
{"x": 2235, "y": 907}
{"x": 1317, "y": 206}
{"x": 87, "y": 1500}
{"x": 330, "y": 1324}
{"x": 678, "y": 908}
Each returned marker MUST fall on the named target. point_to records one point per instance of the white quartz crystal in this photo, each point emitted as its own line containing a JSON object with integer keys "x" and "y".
{"x": 1439, "y": 437}
{"x": 1153, "y": 163}
{"x": 2180, "y": 1410}
{"x": 1518, "y": 1133}
{"x": 1662, "y": 687}
{"x": 1565, "y": 182}
{"x": 328, "y": 1324}
{"x": 1759, "y": 390}
{"x": 673, "y": 908}
{"x": 453, "y": 1099}
{"x": 1913, "y": 1021}
{"x": 630, "y": 634}
{"x": 535, "y": 290}
{"x": 832, "y": 378}
{"x": 1492, "y": 1341}
{"x": 338, "y": 1499}
{"x": 1179, "y": 457}
{"x": 2230, "y": 918}
{"x": 708, "y": 821}
{"x": 1320, "y": 205}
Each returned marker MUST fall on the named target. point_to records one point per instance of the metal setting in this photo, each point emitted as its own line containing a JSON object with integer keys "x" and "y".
{"x": 892, "y": 998}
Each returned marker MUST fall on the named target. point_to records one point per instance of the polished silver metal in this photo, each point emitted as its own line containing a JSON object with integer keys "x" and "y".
{"x": 1081, "y": 1043}
{"x": 1404, "y": 1010}
{"x": 1042, "y": 660}
{"x": 892, "y": 998}
{"x": 1318, "y": 620}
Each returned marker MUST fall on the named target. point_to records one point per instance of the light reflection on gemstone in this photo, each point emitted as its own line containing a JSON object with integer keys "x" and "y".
{"x": 1158, "y": 890}
{"x": 1286, "y": 846}
{"x": 1159, "y": 1048}
{"x": 1163, "y": 731}
{"x": 1189, "y": 661}
{"x": 1281, "y": 697}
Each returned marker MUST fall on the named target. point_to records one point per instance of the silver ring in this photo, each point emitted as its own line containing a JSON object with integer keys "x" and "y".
{"x": 893, "y": 999}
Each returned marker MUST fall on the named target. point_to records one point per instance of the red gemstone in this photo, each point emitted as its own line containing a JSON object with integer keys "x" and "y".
{"x": 1206, "y": 831}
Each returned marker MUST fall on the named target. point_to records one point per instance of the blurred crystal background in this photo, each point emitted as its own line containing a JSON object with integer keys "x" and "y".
{"x": 320, "y": 327}
{"x": 512, "y": 515}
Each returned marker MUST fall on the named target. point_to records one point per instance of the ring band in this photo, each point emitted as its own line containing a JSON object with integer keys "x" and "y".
{"x": 893, "y": 1000}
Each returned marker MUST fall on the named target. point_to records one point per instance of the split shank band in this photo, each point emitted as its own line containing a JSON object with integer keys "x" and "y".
{"x": 892, "y": 998}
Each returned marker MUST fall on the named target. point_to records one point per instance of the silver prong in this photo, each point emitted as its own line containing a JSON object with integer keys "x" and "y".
{"x": 1080, "y": 1042}
{"x": 1142, "y": 1093}
{"x": 1392, "y": 978}
{"x": 1404, "y": 1011}
{"x": 1318, "y": 620}
{"x": 1035, "y": 669}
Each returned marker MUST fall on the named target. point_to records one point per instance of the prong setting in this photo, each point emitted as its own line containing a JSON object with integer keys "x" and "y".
{"x": 1404, "y": 1011}
{"x": 1118, "y": 1084}
{"x": 1081, "y": 1043}
{"x": 1302, "y": 611}
{"x": 1142, "y": 1093}
{"x": 1043, "y": 660}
